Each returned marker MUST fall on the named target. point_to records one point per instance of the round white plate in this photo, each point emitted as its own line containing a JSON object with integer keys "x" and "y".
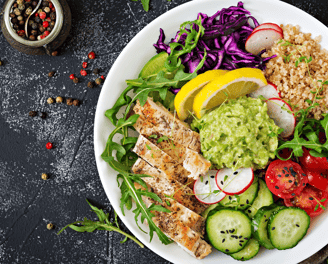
{"x": 128, "y": 66}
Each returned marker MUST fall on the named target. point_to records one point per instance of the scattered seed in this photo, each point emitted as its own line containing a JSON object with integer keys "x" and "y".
{"x": 32, "y": 113}
{"x": 240, "y": 237}
{"x": 50, "y": 226}
{"x": 230, "y": 198}
{"x": 249, "y": 211}
{"x": 223, "y": 240}
{"x": 276, "y": 187}
{"x": 303, "y": 174}
{"x": 51, "y": 74}
{"x": 59, "y": 99}
{"x": 266, "y": 220}
{"x": 44, "y": 176}
{"x": 286, "y": 168}
{"x": 240, "y": 244}
{"x": 96, "y": 71}
{"x": 264, "y": 215}
{"x": 296, "y": 183}
{"x": 287, "y": 175}
{"x": 279, "y": 175}
{"x": 293, "y": 194}
{"x": 311, "y": 198}
{"x": 297, "y": 225}
{"x": 54, "y": 53}
{"x": 76, "y": 102}
{"x": 212, "y": 176}
{"x": 273, "y": 228}
{"x": 247, "y": 201}
{"x": 222, "y": 232}
{"x": 242, "y": 258}
{"x": 50, "y": 100}
{"x": 206, "y": 182}
{"x": 69, "y": 101}
{"x": 98, "y": 81}
{"x": 44, "y": 115}
{"x": 241, "y": 241}
{"x": 75, "y": 80}
{"x": 235, "y": 173}
{"x": 303, "y": 184}
{"x": 227, "y": 250}
{"x": 290, "y": 181}
{"x": 233, "y": 230}
{"x": 283, "y": 171}
{"x": 221, "y": 182}
{"x": 242, "y": 205}
{"x": 246, "y": 238}
{"x": 91, "y": 84}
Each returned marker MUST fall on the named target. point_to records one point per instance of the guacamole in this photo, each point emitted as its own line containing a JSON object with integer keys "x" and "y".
{"x": 238, "y": 134}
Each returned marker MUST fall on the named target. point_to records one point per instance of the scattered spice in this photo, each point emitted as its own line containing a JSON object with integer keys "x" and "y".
{"x": 44, "y": 176}
{"x": 51, "y": 74}
{"x": 50, "y": 226}
{"x": 49, "y": 145}
{"x": 43, "y": 115}
{"x": 50, "y": 100}
{"x": 91, "y": 55}
{"x": 59, "y": 99}
{"x": 84, "y": 65}
{"x": 83, "y": 72}
{"x": 76, "y": 102}
{"x": 98, "y": 81}
{"x": 1, "y": 63}
{"x": 75, "y": 80}
{"x": 32, "y": 113}
{"x": 69, "y": 101}
{"x": 54, "y": 53}
{"x": 96, "y": 71}
{"x": 90, "y": 84}
{"x": 72, "y": 76}
{"x": 102, "y": 77}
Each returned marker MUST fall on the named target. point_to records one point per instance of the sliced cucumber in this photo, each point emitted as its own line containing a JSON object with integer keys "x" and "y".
{"x": 263, "y": 198}
{"x": 245, "y": 199}
{"x": 260, "y": 224}
{"x": 249, "y": 251}
{"x": 228, "y": 230}
{"x": 287, "y": 227}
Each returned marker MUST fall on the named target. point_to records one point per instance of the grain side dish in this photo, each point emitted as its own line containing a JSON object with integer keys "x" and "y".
{"x": 294, "y": 83}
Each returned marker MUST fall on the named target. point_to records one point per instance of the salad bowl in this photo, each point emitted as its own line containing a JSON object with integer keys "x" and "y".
{"x": 128, "y": 65}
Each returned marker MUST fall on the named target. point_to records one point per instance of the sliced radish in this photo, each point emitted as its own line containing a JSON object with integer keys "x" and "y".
{"x": 234, "y": 182}
{"x": 262, "y": 39}
{"x": 268, "y": 91}
{"x": 275, "y": 87}
{"x": 282, "y": 114}
{"x": 206, "y": 189}
{"x": 269, "y": 25}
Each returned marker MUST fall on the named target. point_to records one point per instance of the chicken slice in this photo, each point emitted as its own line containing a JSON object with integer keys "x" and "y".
{"x": 168, "y": 125}
{"x": 166, "y": 186}
{"x": 192, "y": 161}
{"x": 163, "y": 162}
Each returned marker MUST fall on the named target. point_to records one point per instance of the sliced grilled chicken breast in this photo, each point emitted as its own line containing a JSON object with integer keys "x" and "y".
{"x": 191, "y": 160}
{"x": 165, "y": 185}
{"x": 168, "y": 124}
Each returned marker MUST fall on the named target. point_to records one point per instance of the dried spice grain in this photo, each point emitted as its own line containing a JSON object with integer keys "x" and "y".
{"x": 32, "y": 113}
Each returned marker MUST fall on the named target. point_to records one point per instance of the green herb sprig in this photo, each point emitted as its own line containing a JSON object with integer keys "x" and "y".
{"x": 145, "y": 4}
{"x": 103, "y": 223}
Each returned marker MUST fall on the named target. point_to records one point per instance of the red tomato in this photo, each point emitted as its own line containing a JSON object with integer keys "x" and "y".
{"x": 285, "y": 179}
{"x": 312, "y": 163}
{"x": 310, "y": 200}
{"x": 317, "y": 179}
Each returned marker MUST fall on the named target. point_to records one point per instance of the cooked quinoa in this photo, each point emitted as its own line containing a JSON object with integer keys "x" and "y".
{"x": 294, "y": 83}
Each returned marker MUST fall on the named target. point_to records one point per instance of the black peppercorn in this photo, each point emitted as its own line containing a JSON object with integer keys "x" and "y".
{"x": 53, "y": 16}
{"x": 90, "y": 84}
{"x": 21, "y": 23}
{"x": 34, "y": 25}
{"x": 52, "y": 23}
{"x": 49, "y": 28}
{"x": 32, "y": 37}
{"x": 34, "y": 32}
{"x": 54, "y": 53}
{"x": 69, "y": 101}
{"x": 37, "y": 19}
{"x": 15, "y": 5}
{"x": 45, "y": 3}
{"x": 43, "y": 115}
{"x": 98, "y": 81}
{"x": 76, "y": 102}
{"x": 12, "y": 15}
{"x": 51, "y": 74}
{"x": 96, "y": 71}
{"x": 32, "y": 113}
{"x": 14, "y": 20}
{"x": 16, "y": 26}
{"x": 42, "y": 29}
{"x": 34, "y": 3}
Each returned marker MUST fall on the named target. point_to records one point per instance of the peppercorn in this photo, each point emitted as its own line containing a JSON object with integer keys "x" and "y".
{"x": 90, "y": 84}
{"x": 72, "y": 76}
{"x": 83, "y": 72}
{"x": 96, "y": 71}
{"x": 49, "y": 29}
{"x": 15, "y": 5}
{"x": 49, "y": 145}
{"x": 16, "y": 26}
{"x": 42, "y": 15}
{"x": 17, "y": 12}
{"x": 76, "y": 102}
{"x": 21, "y": 7}
{"x": 37, "y": 19}
{"x": 54, "y": 53}
{"x": 102, "y": 77}
{"x": 32, "y": 37}
{"x": 50, "y": 226}
{"x": 32, "y": 113}
{"x": 12, "y": 15}
{"x": 47, "y": 9}
{"x": 28, "y": 11}
{"x": 69, "y": 101}
{"x": 19, "y": 2}
{"x": 21, "y": 33}
{"x": 52, "y": 23}
{"x": 45, "y": 3}
{"x": 53, "y": 16}
{"x": 44, "y": 176}
{"x": 14, "y": 20}
{"x": 75, "y": 80}
{"x": 19, "y": 18}
{"x": 34, "y": 3}
{"x": 45, "y": 24}
{"x": 21, "y": 22}
{"x": 34, "y": 32}
{"x": 91, "y": 55}
{"x": 84, "y": 65}
{"x": 50, "y": 100}
{"x": 59, "y": 99}
{"x": 46, "y": 33}
{"x": 42, "y": 29}
{"x": 51, "y": 74}
{"x": 98, "y": 81}
{"x": 43, "y": 115}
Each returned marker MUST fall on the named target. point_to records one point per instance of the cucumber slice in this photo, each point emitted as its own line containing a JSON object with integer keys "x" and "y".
{"x": 246, "y": 198}
{"x": 154, "y": 65}
{"x": 263, "y": 198}
{"x": 287, "y": 227}
{"x": 228, "y": 230}
{"x": 249, "y": 251}
{"x": 260, "y": 224}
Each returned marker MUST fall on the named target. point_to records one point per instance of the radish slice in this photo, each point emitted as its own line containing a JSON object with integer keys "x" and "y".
{"x": 206, "y": 190}
{"x": 268, "y": 91}
{"x": 262, "y": 39}
{"x": 269, "y": 25}
{"x": 275, "y": 87}
{"x": 234, "y": 182}
{"x": 282, "y": 114}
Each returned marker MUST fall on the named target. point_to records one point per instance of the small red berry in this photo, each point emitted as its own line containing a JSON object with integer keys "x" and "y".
{"x": 51, "y": 5}
{"x": 45, "y": 24}
{"x": 84, "y": 65}
{"x": 83, "y": 73}
{"x": 36, "y": 14}
{"x": 72, "y": 76}
{"x": 48, "y": 19}
{"x": 91, "y": 55}
{"x": 53, "y": 9}
{"x": 49, "y": 145}
{"x": 46, "y": 33}
{"x": 43, "y": 15}
{"x": 102, "y": 77}
{"x": 42, "y": 36}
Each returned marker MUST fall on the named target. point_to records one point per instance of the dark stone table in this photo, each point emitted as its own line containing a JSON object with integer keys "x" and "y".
{"x": 28, "y": 203}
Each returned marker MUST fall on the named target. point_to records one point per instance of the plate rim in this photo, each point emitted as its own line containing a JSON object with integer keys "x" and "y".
{"x": 98, "y": 151}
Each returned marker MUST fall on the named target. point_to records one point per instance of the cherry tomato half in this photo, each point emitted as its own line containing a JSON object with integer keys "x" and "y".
{"x": 312, "y": 163}
{"x": 317, "y": 179}
{"x": 312, "y": 200}
{"x": 285, "y": 179}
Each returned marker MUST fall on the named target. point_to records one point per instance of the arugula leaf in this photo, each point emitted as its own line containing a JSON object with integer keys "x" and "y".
{"x": 145, "y": 4}
{"x": 103, "y": 223}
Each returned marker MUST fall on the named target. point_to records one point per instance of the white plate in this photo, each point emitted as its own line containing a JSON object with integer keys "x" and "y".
{"x": 128, "y": 66}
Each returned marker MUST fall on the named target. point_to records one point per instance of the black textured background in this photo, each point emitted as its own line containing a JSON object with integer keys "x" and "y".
{"x": 28, "y": 203}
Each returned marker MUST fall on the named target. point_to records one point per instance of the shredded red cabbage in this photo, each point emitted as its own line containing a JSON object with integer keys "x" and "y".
{"x": 224, "y": 40}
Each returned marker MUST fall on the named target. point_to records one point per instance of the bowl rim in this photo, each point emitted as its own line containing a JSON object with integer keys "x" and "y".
{"x": 39, "y": 43}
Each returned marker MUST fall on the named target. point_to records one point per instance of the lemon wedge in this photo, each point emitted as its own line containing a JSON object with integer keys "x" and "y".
{"x": 231, "y": 85}
{"x": 184, "y": 100}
